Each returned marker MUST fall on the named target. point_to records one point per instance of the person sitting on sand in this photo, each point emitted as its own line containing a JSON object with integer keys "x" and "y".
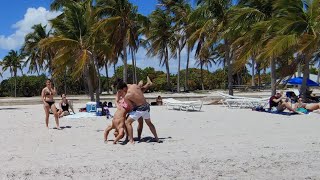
{"x": 118, "y": 121}
{"x": 159, "y": 101}
{"x": 47, "y": 94}
{"x": 65, "y": 104}
{"x": 309, "y": 107}
{"x": 279, "y": 103}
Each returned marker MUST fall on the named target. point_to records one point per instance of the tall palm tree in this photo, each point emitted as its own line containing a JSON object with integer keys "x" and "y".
{"x": 298, "y": 29}
{"x": 13, "y": 61}
{"x": 76, "y": 44}
{"x": 251, "y": 24}
{"x": 36, "y": 59}
{"x": 180, "y": 10}
{"x": 161, "y": 39}
{"x": 120, "y": 19}
{"x": 210, "y": 21}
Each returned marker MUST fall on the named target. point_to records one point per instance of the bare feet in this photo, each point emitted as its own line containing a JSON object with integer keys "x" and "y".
{"x": 131, "y": 141}
{"x": 149, "y": 82}
{"x": 106, "y": 141}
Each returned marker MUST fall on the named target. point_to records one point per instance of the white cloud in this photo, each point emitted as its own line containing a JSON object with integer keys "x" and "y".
{"x": 32, "y": 16}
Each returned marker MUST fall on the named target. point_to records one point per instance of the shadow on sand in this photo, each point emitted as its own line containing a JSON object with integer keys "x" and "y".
{"x": 9, "y": 108}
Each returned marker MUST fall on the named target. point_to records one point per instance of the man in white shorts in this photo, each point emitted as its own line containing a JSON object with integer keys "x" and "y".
{"x": 134, "y": 94}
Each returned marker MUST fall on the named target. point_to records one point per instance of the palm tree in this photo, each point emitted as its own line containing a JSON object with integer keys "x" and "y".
{"x": 13, "y": 61}
{"x": 160, "y": 38}
{"x": 76, "y": 44}
{"x": 36, "y": 59}
{"x": 180, "y": 10}
{"x": 121, "y": 23}
{"x": 251, "y": 25}
{"x": 210, "y": 21}
{"x": 58, "y": 4}
{"x": 296, "y": 22}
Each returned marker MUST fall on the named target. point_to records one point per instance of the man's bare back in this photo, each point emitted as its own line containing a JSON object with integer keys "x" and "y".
{"x": 135, "y": 95}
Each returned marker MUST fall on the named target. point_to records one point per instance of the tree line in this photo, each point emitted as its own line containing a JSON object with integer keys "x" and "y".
{"x": 282, "y": 35}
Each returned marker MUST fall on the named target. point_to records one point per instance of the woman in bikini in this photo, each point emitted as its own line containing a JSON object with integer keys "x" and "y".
{"x": 310, "y": 107}
{"x": 48, "y": 103}
{"x": 65, "y": 104}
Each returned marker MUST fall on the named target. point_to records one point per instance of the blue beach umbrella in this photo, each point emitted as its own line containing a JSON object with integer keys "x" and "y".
{"x": 298, "y": 81}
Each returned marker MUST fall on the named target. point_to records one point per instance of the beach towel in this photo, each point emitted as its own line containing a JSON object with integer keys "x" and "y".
{"x": 80, "y": 115}
{"x": 283, "y": 113}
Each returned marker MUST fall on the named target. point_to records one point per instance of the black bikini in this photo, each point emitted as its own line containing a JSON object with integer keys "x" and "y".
{"x": 50, "y": 103}
{"x": 65, "y": 107}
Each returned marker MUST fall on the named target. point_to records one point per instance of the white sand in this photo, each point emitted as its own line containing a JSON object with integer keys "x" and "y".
{"x": 218, "y": 143}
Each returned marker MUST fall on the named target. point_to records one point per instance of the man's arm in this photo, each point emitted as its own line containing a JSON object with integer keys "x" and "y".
{"x": 278, "y": 100}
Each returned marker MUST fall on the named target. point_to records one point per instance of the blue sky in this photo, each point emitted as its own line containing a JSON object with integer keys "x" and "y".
{"x": 18, "y": 16}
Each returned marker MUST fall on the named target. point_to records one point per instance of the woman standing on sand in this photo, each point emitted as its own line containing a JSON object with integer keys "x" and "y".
{"x": 48, "y": 103}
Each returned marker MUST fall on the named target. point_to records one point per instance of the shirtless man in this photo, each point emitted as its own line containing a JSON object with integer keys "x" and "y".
{"x": 141, "y": 108}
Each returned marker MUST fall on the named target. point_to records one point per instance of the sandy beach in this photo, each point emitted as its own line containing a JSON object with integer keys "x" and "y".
{"x": 217, "y": 143}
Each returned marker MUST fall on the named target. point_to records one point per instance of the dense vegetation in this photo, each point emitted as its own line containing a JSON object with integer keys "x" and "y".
{"x": 280, "y": 35}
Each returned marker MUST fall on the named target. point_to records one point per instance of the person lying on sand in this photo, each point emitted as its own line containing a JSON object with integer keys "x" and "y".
{"x": 310, "y": 107}
{"x": 118, "y": 121}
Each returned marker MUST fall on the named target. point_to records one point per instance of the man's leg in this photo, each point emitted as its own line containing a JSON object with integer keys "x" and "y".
{"x": 147, "y": 85}
{"x": 129, "y": 122}
{"x": 140, "y": 127}
{"x": 152, "y": 129}
{"x": 288, "y": 106}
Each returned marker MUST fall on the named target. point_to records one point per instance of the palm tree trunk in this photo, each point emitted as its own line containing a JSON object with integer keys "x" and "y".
{"x": 133, "y": 68}
{"x": 306, "y": 69}
{"x": 318, "y": 77}
{"x": 187, "y": 70}
{"x": 107, "y": 76}
{"x": 115, "y": 75}
{"x": 178, "y": 74}
{"x": 90, "y": 85}
{"x": 125, "y": 62}
{"x": 252, "y": 70}
{"x": 201, "y": 70}
{"x": 15, "y": 84}
{"x": 167, "y": 69}
{"x": 230, "y": 69}
{"x": 299, "y": 69}
{"x": 259, "y": 74}
{"x": 273, "y": 76}
{"x": 65, "y": 81}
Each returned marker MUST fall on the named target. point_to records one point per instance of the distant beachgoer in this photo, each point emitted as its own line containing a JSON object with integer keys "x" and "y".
{"x": 65, "y": 105}
{"x": 159, "y": 101}
{"x": 48, "y": 103}
{"x": 134, "y": 94}
{"x": 309, "y": 107}
{"x": 279, "y": 103}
